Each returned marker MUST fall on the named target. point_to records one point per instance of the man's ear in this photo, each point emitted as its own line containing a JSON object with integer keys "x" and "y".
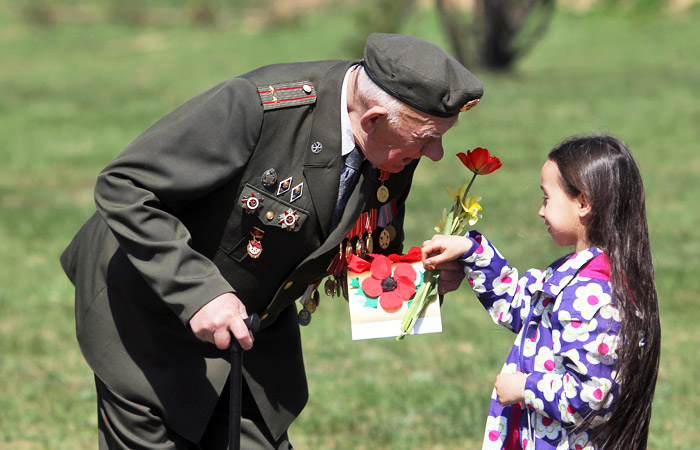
{"x": 584, "y": 206}
{"x": 371, "y": 118}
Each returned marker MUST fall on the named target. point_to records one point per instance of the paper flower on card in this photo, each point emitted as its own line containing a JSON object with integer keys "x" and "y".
{"x": 392, "y": 289}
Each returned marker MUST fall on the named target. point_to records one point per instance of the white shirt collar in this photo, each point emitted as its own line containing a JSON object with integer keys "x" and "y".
{"x": 347, "y": 137}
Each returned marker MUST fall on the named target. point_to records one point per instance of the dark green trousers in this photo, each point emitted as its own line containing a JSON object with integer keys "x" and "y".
{"x": 125, "y": 424}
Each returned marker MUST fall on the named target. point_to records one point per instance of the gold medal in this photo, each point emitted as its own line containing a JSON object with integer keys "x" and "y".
{"x": 348, "y": 251}
{"x": 360, "y": 249}
{"x": 382, "y": 193}
{"x": 384, "y": 239}
{"x": 329, "y": 287}
{"x": 369, "y": 244}
{"x": 313, "y": 302}
{"x": 392, "y": 232}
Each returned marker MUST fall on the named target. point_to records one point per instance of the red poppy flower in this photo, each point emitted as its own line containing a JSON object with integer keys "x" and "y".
{"x": 391, "y": 290}
{"x": 479, "y": 161}
{"x": 413, "y": 255}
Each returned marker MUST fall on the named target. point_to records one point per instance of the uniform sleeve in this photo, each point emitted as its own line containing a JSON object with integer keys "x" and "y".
{"x": 498, "y": 287}
{"x": 189, "y": 153}
{"x": 574, "y": 382}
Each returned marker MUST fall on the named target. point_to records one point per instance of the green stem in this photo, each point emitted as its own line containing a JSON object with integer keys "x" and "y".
{"x": 469, "y": 186}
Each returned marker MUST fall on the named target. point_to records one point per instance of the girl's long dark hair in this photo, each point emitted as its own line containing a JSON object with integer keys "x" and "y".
{"x": 602, "y": 170}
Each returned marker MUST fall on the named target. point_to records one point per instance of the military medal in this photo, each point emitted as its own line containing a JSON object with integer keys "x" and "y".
{"x": 254, "y": 246}
{"x": 304, "y": 317}
{"x": 369, "y": 244}
{"x": 360, "y": 247}
{"x": 251, "y": 202}
{"x": 284, "y": 186}
{"x": 329, "y": 287}
{"x": 384, "y": 239}
{"x": 383, "y": 191}
{"x": 392, "y": 232}
{"x": 296, "y": 192}
{"x": 313, "y": 302}
{"x": 348, "y": 251}
{"x": 288, "y": 219}
{"x": 269, "y": 178}
{"x": 370, "y": 225}
{"x": 386, "y": 213}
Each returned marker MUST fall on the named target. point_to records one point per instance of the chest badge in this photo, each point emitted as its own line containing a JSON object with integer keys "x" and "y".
{"x": 251, "y": 202}
{"x": 284, "y": 186}
{"x": 316, "y": 147}
{"x": 269, "y": 178}
{"x": 254, "y": 247}
{"x": 288, "y": 219}
{"x": 297, "y": 192}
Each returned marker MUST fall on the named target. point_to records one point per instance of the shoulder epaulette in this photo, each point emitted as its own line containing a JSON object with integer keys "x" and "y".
{"x": 283, "y": 95}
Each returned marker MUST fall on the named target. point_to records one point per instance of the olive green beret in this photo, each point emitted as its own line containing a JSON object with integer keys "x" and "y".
{"x": 421, "y": 74}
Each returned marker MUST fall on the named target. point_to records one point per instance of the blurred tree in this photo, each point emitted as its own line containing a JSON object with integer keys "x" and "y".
{"x": 494, "y": 33}
{"x": 378, "y": 16}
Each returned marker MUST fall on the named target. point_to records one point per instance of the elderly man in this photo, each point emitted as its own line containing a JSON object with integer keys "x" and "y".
{"x": 241, "y": 201}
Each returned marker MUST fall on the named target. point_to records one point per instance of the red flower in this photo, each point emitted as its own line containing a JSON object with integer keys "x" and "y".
{"x": 391, "y": 290}
{"x": 413, "y": 255}
{"x": 479, "y": 161}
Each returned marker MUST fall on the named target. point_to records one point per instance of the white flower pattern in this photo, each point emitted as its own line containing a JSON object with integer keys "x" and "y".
{"x": 568, "y": 353}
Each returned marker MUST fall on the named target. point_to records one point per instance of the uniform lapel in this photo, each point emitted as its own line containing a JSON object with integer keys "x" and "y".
{"x": 323, "y": 160}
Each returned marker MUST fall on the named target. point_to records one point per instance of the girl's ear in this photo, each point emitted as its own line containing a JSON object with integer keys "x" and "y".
{"x": 584, "y": 206}
{"x": 370, "y": 119}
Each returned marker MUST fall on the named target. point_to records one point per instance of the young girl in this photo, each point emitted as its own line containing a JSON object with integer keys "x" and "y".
{"x": 582, "y": 371}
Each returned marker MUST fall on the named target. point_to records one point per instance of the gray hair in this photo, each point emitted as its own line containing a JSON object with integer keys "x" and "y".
{"x": 369, "y": 92}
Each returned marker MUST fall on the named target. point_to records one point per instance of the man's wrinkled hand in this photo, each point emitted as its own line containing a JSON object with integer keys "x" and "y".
{"x": 218, "y": 319}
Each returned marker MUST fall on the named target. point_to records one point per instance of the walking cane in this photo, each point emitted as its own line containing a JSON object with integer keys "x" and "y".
{"x": 234, "y": 418}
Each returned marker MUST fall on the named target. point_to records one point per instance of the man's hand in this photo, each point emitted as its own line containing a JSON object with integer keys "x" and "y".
{"x": 510, "y": 388}
{"x": 217, "y": 319}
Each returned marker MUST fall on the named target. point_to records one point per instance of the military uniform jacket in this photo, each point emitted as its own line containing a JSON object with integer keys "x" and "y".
{"x": 171, "y": 230}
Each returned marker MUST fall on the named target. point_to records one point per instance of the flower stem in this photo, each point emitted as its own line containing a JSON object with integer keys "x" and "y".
{"x": 469, "y": 186}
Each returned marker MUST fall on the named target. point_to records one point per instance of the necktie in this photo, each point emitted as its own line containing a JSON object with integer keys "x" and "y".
{"x": 348, "y": 178}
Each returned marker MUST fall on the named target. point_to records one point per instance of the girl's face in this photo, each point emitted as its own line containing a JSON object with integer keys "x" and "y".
{"x": 562, "y": 214}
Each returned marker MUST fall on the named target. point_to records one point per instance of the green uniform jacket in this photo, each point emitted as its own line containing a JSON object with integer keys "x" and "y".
{"x": 170, "y": 234}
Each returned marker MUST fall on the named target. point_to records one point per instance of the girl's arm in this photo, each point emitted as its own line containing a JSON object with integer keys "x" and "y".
{"x": 572, "y": 379}
{"x": 496, "y": 284}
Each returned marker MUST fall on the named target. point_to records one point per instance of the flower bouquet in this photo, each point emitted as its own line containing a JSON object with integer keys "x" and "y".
{"x": 465, "y": 210}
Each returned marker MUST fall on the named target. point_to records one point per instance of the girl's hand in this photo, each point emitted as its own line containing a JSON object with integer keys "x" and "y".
{"x": 510, "y": 388}
{"x": 443, "y": 249}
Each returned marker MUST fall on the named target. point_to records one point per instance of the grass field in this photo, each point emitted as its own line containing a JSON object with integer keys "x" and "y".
{"x": 74, "y": 93}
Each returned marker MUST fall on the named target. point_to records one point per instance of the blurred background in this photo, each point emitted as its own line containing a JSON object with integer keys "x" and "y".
{"x": 80, "y": 79}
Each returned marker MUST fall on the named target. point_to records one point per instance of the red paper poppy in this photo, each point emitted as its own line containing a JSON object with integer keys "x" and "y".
{"x": 391, "y": 290}
{"x": 413, "y": 255}
{"x": 479, "y": 161}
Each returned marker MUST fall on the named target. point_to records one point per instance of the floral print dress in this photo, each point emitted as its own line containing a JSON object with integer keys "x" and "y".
{"x": 567, "y": 324}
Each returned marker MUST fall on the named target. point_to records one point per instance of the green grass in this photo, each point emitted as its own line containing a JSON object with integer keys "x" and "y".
{"x": 73, "y": 94}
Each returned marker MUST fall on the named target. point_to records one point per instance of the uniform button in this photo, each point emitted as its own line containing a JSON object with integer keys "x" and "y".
{"x": 306, "y": 88}
{"x": 288, "y": 285}
{"x": 270, "y": 215}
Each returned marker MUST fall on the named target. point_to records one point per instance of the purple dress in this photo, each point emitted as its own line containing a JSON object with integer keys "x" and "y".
{"x": 567, "y": 324}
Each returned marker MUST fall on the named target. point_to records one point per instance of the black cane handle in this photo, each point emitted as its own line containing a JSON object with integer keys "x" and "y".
{"x": 252, "y": 322}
